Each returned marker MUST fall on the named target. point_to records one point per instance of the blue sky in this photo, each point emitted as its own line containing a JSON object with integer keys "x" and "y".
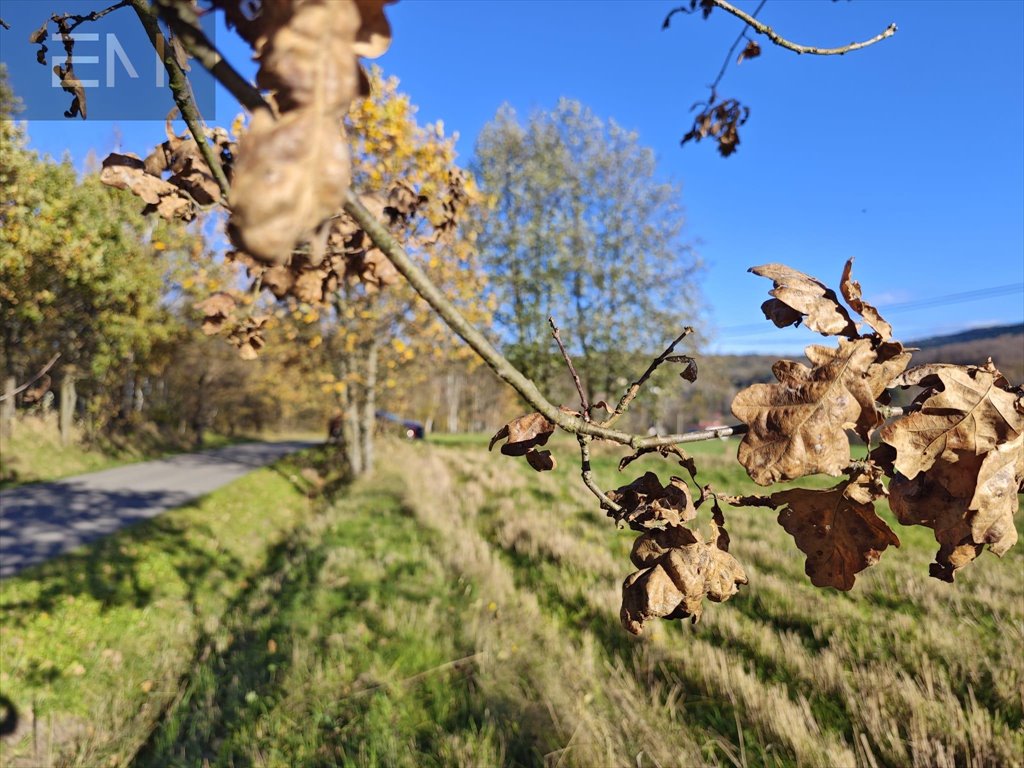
{"x": 908, "y": 155}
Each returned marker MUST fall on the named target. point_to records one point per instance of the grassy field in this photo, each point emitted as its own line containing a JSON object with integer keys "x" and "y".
{"x": 34, "y": 452}
{"x": 458, "y": 609}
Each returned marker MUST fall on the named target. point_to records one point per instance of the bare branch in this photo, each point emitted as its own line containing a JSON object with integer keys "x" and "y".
{"x": 77, "y": 19}
{"x": 42, "y": 372}
{"x": 728, "y": 56}
{"x": 181, "y": 89}
{"x": 634, "y": 388}
{"x": 4, "y": 24}
{"x": 588, "y": 478}
{"x": 775, "y": 37}
{"x": 572, "y": 369}
{"x": 181, "y": 17}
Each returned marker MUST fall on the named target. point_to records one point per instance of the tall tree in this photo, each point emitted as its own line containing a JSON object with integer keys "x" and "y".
{"x": 583, "y": 230}
{"x": 79, "y": 272}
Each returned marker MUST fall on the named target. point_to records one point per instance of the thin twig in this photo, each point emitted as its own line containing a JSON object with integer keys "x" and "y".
{"x": 182, "y": 18}
{"x": 42, "y": 372}
{"x": 78, "y": 19}
{"x": 507, "y": 372}
{"x": 634, "y": 388}
{"x": 181, "y": 89}
{"x": 732, "y": 50}
{"x": 587, "y": 474}
{"x": 775, "y": 37}
{"x": 584, "y": 404}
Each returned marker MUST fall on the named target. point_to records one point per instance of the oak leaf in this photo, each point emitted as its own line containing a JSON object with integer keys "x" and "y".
{"x": 836, "y": 528}
{"x": 962, "y": 409}
{"x": 995, "y": 500}
{"x": 798, "y": 426}
{"x": 647, "y": 504}
{"x": 750, "y": 51}
{"x": 925, "y": 500}
{"x": 523, "y": 434}
{"x": 850, "y": 289}
{"x": 542, "y": 461}
{"x": 678, "y": 571}
{"x": 277, "y": 200}
{"x": 216, "y": 309}
{"x": 128, "y": 171}
{"x": 817, "y": 305}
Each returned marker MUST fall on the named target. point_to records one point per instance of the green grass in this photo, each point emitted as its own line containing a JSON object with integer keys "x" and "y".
{"x": 456, "y": 608}
{"x": 34, "y": 453}
{"x": 92, "y": 645}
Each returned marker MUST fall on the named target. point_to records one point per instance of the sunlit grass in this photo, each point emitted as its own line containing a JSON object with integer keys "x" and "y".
{"x": 35, "y": 453}
{"x": 457, "y": 608}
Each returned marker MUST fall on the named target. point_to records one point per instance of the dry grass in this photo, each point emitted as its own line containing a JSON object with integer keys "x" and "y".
{"x": 457, "y": 609}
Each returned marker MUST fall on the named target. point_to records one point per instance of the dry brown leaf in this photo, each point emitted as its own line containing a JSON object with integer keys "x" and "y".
{"x": 309, "y": 286}
{"x": 248, "y": 336}
{"x": 524, "y": 433}
{"x": 290, "y": 174}
{"x": 542, "y": 461}
{"x": 850, "y": 289}
{"x": 216, "y": 310}
{"x": 964, "y": 409}
{"x": 278, "y": 280}
{"x": 924, "y": 500}
{"x": 798, "y": 426}
{"x": 916, "y": 376}
{"x": 310, "y": 61}
{"x": 674, "y": 585}
{"x": 293, "y": 173}
{"x": 884, "y": 373}
{"x": 836, "y": 528}
{"x": 750, "y": 51}
{"x": 817, "y": 305}
{"x": 995, "y": 500}
{"x": 72, "y": 85}
{"x": 647, "y": 504}
{"x": 374, "y": 36}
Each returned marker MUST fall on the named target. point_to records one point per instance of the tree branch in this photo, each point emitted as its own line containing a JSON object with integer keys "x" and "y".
{"x": 507, "y": 372}
{"x": 775, "y": 37}
{"x": 182, "y": 92}
{"x": 732, "y": 50}
{"x": 42, "y": 371}
{"x": 182, "y": 18}
{"x": 585, "y": 406}
{"x": 634, "y": 388}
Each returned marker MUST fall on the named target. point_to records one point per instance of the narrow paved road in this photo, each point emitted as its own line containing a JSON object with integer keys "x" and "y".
{"x": 43, "y": 520}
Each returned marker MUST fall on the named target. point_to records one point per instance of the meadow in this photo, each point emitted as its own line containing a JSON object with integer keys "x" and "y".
{"x": 455, "y": 608}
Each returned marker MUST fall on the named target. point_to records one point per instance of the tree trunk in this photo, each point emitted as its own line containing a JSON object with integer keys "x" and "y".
{"x": 199, "y": 415}
{"x": 369, "y": 420}
{"x": 7, "y": 407}
{"x": 68, "y": 400}
{"x": 453, "y": 394}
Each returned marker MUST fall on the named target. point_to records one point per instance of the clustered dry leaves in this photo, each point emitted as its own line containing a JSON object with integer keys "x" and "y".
{"x": 290, "y": 169}
{"x": 955, "y": 460}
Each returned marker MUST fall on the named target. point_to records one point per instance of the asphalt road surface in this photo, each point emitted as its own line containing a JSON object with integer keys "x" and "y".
{"x": 43, "y": 520}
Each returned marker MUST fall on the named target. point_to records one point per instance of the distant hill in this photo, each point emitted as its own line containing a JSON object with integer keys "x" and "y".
{"x": 975, "y": 334}
{"x": 1003, "y": 343}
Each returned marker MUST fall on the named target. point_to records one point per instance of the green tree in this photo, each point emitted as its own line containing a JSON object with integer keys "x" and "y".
{"x": 583, "y": 231}
{"x": 79, "y": 273}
